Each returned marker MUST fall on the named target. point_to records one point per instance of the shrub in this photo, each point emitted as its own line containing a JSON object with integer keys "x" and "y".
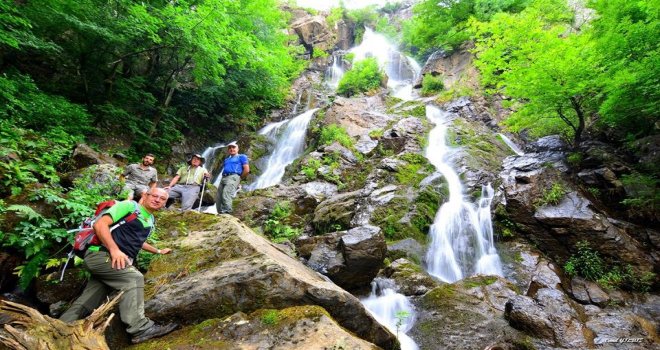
{"x": 431, "y": 85}
{"x": 275, "y": 226}
{"x": 334, "y": 132}
{"x": 364, "y": 76}
{"x": 552, "y": 196}
{"x": 588, "y": 264}
{"x": 642, "y": 191}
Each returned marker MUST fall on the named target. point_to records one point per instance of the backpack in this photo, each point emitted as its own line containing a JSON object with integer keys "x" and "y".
{"x": 86, "y": 236}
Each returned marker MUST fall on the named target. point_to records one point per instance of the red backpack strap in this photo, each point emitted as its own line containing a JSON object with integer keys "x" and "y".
{"x": 128, "y": 218}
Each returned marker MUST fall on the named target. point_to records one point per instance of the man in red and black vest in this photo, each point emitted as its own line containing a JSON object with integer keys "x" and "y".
{"x": 111, "y": 265}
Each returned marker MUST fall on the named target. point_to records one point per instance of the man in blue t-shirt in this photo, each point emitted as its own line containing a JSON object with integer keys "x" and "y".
{"x": 235, "y": 168}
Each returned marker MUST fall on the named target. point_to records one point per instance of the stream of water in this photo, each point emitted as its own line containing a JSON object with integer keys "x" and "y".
{"x": 462, "y": 234}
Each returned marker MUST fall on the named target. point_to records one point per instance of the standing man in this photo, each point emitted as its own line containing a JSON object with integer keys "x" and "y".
{"x": 187, "y": 182}
{"x": 235, "y": 168}
{"x": 111, "y": 266}
{"x": 140, "y": 177}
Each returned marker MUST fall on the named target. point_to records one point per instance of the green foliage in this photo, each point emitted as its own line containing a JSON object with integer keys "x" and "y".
{"x": 364, "y": 76}
{"x": 376, "y": 134}
{"x": 400, "y": 317}
{"x": 625, "y": 36}
{"x": 574, "y": 159}
{"x": 38, "y": 236}
{"x": 431, "y": 85}
{"x": 276, "y": 227}
{"x": 310, "y": 168}
{"x": 552, "y": 196}
{"x": 642, "y": 191}
{"x": 144, "y": 70}
{"x": 588, "y": 264}
{"x": 270, "y": 317}
{"x": 29, "y": 157}
{"x": 415, "y": 171}
{"x": 335, "y": 133}
{"x": 527, "y": 56}
{"x": 443, "y": 24}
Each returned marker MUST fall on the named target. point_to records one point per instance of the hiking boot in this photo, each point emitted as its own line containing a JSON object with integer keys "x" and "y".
{"x": 154, "y": 332}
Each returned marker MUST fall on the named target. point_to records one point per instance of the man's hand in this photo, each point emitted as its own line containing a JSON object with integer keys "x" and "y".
{"x": 165, "y": 250}
{"x": 119, "y": 259}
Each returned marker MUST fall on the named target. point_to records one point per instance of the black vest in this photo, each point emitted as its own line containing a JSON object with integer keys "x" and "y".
{"x": 130, "y": 237}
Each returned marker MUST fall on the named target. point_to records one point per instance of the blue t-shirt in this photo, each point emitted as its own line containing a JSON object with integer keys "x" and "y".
{"x": 234, "y": 164}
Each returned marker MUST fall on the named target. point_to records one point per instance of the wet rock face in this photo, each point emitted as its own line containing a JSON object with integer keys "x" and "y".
{"x": 465, "y": 315}
{"x": 409, "y": 278}
{"x": 557, "y": 227}
{"x": 358, "y": 116}
{"x": 350, "y": 258}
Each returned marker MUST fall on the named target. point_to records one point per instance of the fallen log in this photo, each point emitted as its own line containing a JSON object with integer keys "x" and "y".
{"x": 27, "y": 329}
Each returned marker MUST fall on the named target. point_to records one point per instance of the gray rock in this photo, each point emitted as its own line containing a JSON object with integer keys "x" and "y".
{"x": 229, "y": 268}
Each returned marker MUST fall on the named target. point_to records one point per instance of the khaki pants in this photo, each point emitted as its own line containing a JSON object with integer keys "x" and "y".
{"x": 104, "y": 280}
{"x": 226, "y": 191}
{"x": 187, "y": 193}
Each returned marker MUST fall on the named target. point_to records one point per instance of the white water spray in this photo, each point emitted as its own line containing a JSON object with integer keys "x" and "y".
{"x": 461, "y": 235}
{"x": 392, "y": 310}
{"x": 334, "y": 73}
{"x": 400, "y": 69}
{"x": 290, "y": 145}
{"x": 511, "y": 145}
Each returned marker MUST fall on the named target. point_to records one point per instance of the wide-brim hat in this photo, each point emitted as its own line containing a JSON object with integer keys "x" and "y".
{"x": 196, "y": 155}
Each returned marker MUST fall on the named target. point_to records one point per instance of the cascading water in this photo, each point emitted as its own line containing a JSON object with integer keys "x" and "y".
{"x": 400, "y": 69}
{"x": 461, "y": 235}
{"x": 512, "y": 145}
{"x": 290, "y": 145}
{"x": 392, "y": 310}
{"x": 334, "y": 73}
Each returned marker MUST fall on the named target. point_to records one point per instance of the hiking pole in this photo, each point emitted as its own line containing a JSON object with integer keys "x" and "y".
{"x": 201, "y": 198}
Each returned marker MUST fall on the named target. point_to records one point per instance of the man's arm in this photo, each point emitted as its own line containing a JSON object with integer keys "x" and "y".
{"x": 102, "y": 230}
{"x": 246, "y": 171}
{"x": 175, "y": 179}
{"x": 151, "y": 249}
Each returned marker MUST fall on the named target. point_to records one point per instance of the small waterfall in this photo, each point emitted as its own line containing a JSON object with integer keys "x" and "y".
{"x": 400, "y": 69}
{"x": 334, "y": 73}
{"x": 290, "y": 145}
{"x": 390, "y": 308}
{"x": 461, "y": 235}
{"x": 511, "y": 145}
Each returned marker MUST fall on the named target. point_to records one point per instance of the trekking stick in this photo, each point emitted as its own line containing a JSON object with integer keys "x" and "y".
{"x": 201, "y": 198}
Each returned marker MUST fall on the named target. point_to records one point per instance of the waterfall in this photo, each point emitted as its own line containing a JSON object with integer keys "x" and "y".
{"x": 462, "y": 234}
{"x": 290, "y": 145}
{"x": 400, "y": 69}
{"x": 334, "y": 73}
{"x": 511, "y": 145}
{"x": 390, "y": 308}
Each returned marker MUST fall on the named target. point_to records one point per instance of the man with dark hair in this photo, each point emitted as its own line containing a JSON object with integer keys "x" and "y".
{"x": 140, "y": 177}
{"x": 187, "y": 182}
{"x": 111, "y": 265}
{"x": 235, "y": 168}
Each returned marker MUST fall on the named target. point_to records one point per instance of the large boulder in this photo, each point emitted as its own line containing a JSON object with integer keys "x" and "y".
{"x": 465, "y": 315}
{"x": 336, "y": 212}
{"x": 556, "y": 227}
{"x": 409, "y": 278}
{"x": 313, "y": 33}
{"x": 293, "y": 328}
{"x": 358, "y": 116}
{"x": 549, "y": 316}
{"x": 221, "y": 267}
{"x": 350, "y": 258}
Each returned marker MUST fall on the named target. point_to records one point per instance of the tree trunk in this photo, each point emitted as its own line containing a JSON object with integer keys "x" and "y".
{"x": 575, "y": 102}
{"x": 27, "y": 329}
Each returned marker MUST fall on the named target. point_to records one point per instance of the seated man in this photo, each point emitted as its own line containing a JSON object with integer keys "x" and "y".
{"x": 186, "y": 184}
{"x": 140, "y": 177}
